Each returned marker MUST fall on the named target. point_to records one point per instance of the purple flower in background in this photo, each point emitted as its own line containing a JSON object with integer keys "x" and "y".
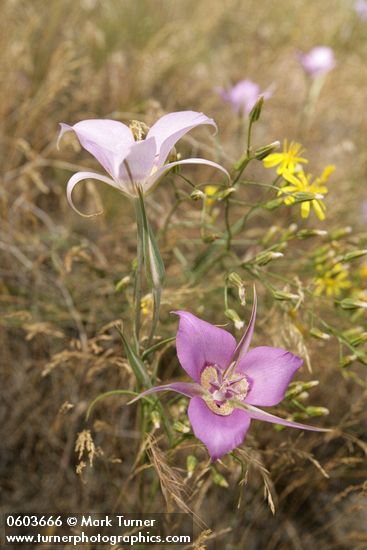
{"x": 243, "y": 96}
{"x": 132, "y": 164}
{"x": 360, "y": 7}
{"x": 229, "y": 382}
{"x": 318, "y": 61}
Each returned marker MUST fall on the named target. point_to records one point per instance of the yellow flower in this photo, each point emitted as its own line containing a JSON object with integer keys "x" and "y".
{"x": 210, "y": 191}
{"x": 146, "y": 305}
{"x": 333, "y": 281}
{"x": 363, "y": 271}
{"x": 288, "y": 160}
{"x": 302, "y": 183}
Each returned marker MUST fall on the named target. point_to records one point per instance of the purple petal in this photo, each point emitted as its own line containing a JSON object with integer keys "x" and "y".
{"x": 172, "y": 127}
{"x": 244, "y": 95}
{"x": 159, "y": 173}
{"x": 186, "y": 388}
{"x": 318, "y": 61}
{"x": 360, "y": 7}
{"x": 199, "y": 343}
{"x": 269, "y": 371}
{"x": 245, "y": 341}
{"x": 220, "y": 434}
{"x": 138, "y": 164}
{"x": 108, "y": 141}
{"x": 257, "y": 414}
{"x": 80, "y": 176}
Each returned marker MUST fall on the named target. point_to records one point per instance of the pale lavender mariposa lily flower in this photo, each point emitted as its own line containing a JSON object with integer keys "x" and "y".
{"x": 132, "y": 164}
{"x": 318, "y": 61}
{"x": 360, "y": 7}
{"x": 243, "y": 96}
{"x": 229, "y": 382}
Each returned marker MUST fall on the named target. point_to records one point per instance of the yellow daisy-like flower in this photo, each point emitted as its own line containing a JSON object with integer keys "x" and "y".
{"x": 302, "y": 183}
{"x": 288, "y": 161}
{"x": 333, "y": 281}
{"x": 363, "y": 271}
{"x": 146, "y": 305}
{"x": 210, "y": 191}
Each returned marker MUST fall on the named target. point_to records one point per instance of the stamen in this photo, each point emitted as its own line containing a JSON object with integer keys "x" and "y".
{"x": 221, "y": 389}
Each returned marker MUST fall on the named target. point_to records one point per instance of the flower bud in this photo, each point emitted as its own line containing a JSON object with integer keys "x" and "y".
{"x": 347, "y": 360}
{"x": 226, "y": 193}
{"x": 304, "y": 197}
{"x": 256, "y": 110}
{"x": 191, "y": 463}
{"x": 196, "y": 195}
{"x": 353, "y": 255}
{"x": 273, "y": 204}
{"x": 122, "y": 283}
{"x": 349, "y": 303}
{"x": 234, "y": 317}
{"x": 360, "y": 339}
{"x": 263, "y": 152}
{"x": 340, "y": 233}
{"x": 281, "y": 295}
{"x": 298, "y": 388}
{"x": 316, "y": 333}
{"x": 317, "y": 411}
{"x": 210, "y": 238}
{"x": 265, "y": 257}
{"x": 181, "y": 427}
{"x": 219, "y": 479}
{"x": 156, "y": 419}
{"x": 306, "y": 233}
{"x": 236, "y": 280}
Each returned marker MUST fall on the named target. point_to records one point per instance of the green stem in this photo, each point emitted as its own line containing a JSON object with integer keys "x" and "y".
{"x": 138, "y": 277}
{"x": 157, "y": 303}
{"x": 228, "y": 225}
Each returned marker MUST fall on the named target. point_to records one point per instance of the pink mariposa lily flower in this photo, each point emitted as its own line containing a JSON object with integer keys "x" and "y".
{"x": 243, "y": 96}
{"x": 360, "y": 7}
{"x": 318, "y": 61}
{"x": 229, "y": 382}
{"x": 134, "y": 164}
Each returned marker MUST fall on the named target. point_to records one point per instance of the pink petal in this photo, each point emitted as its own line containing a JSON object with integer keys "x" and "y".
{"x": 269, "y": 371}
{"x": 80, "y": 176}
{"x": 170, "y": 128}
{"x": 199, "y": 343}
{"x": 186, "y": 388}
{"x": 220, "y": 434}
{"x": 244, "y": 95}
{"x": 159, "y": 173}
{"x": 257, "y": 414}
{"x": 138, "y": 164}
{"x": 318, "y": 61}
{"x": 108, "y": 141}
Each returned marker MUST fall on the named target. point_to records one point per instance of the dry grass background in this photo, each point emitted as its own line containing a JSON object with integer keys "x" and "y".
{"x": 66, "y": 61}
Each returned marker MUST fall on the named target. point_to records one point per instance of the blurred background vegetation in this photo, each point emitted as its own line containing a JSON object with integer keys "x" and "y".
{"x": 59, "y": 273}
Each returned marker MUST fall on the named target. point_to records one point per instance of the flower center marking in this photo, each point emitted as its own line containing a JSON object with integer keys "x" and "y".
{"x": 222, "y": 389}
